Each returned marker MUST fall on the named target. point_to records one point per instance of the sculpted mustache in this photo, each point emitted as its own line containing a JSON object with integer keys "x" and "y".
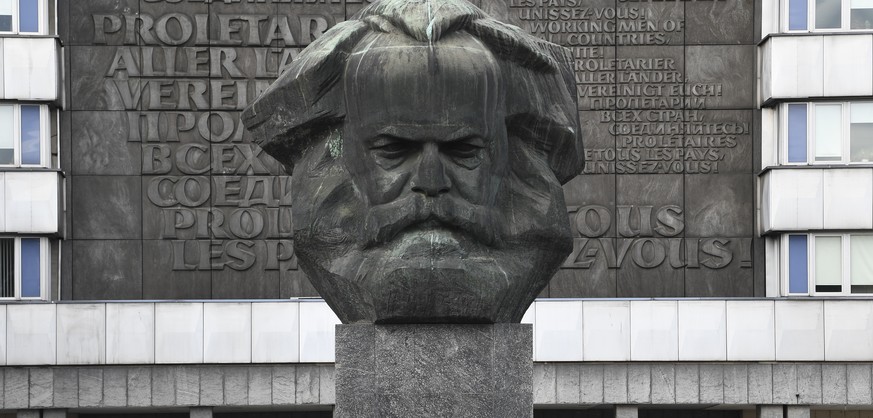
{"x": 384, "y": 222}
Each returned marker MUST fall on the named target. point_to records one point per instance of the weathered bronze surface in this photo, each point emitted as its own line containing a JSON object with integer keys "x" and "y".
{"x": 428, "y": 190}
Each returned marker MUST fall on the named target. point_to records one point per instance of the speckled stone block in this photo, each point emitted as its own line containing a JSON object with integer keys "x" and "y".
{"x": 481, "y": 371}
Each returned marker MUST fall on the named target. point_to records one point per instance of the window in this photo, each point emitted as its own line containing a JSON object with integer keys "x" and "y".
{"x": 24, "y": 131}
{"x": 804, "y": 15}
{"x": 22, "y": 16}
{"x": 829, "y": 264}
{"x": 827, "y": 133}
{"x": 23, "y": 268}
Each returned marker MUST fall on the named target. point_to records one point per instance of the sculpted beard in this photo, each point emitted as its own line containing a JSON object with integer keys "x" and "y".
{"x": 384, "y": 222}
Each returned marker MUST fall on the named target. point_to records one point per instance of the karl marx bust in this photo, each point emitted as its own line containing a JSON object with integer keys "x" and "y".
{"x": 428, "y": 144}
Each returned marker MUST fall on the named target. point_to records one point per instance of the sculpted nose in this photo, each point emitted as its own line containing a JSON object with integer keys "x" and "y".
{"x": 430, "y": 178}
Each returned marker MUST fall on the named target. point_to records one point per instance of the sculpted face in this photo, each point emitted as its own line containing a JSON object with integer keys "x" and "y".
{"x": 432, "y": 196}
{"x": 428, "y": 163}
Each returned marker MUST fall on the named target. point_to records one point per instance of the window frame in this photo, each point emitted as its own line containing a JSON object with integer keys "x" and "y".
{"x": 845, "y": 132}
{"x": 42, "y": 23}
{"x": 44, "y": 269}
{"x": 44, "y": 136}
{"x": 845, "y": 264}
{"x": 845, "y": 18}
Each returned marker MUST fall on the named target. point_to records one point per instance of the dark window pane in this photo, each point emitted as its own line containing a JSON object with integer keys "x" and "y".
{"x": 30, "y": 268}
{"x": 7, "y": 267}
{"x": 862, "y": 18}
{"x": 798, "y": 264}
{"x": 797, "y": 14}
{"x": 6, "y": 15}
{"x": 827, "y": 14}
{"x": 862, "y": 142}
{"x": 30, "y": 127}
{"x": 797, "y": 133}
{"x": 28, "y": 15}
{"x": 861, "y": 132}
{"x": 7, "y": 134}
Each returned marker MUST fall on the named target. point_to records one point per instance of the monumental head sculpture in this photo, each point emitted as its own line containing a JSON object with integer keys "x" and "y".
{"x": 428, "y": 144}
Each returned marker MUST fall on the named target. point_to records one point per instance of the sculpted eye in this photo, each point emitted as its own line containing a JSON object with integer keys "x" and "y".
{"x": 391, "y": 148}
{"x": 464, "y": 148}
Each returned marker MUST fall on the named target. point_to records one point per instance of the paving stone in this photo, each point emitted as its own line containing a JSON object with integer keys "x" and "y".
{"x": 41, "y": 387}
{"x": 115, "y": 386}
{"x": 760, "y": 384}
{"x": 260, "y": 385}
{"x": 567, "y": 386}
{"x": 90, "y": 387}
{"x": 284, "y": 385}
{"x": 66, "y": 387}
{"x": 15, "y": 388}
{"x": 139, "y": 386}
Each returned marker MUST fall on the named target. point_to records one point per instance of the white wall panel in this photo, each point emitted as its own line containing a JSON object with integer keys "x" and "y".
{"x": 44, "y": 202}
{"x": 558, "y": 331}
{"x": 750, "y": 330}
{"x": 795, "y": 69}
{"x": 654, "y": 331}
{"x": 769, "y": 17}
{"x": 848, "y": 198}
{"x": 275, "y": 332}
{"x": 606, "y": 330}
{"x": 3, "y": 205}
{"x": 849, "y": 330}
{"x": 82, "y": 333}
{"x": 31, "y": 334}
{"x": 30, "y": 68}
{"x": 765, "y": 68}
{"x": 769, "y": 137}
{"x": 794, "y": 200}
{"x": 130, "y": 333}
{"x": 179, "y": 333}
{"x": 317, "y": 332}
{"x": 808, "y": 68}
{"x": 31, "y": 202}
{"x": 227, "y": 332}
{"x": 702, "y": 331}
{"x": 3, "y": 335}
{"x": 848, "y": 65}
{"x": 2, "y": 78}
{"x": 799, "y": 330}
{"x": 19, "y": 202}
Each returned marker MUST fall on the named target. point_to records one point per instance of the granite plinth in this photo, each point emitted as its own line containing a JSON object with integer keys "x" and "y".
{"x": 434, "y": 370}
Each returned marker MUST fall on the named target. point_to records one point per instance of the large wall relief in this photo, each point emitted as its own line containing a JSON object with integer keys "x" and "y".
{"x": 167, "y": 198}
{"x": 666, "y": 101}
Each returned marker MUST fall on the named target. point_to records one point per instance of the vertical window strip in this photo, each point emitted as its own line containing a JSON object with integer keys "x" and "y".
{"x": 828, "y": 264}
{"x": 861, "y": 132}
{"x": 861, "y": 14}
{"x": 798, "y": 14}
{"x": 31, "y": 127}
{"x": 7, "y": 267}
{"x": 798, "y": 264}
{"x": 828, "y": 132}
{"x": 797, "y": 135}
{"x": 861, "y": 263}
{"x": 6, "y": 14}
{"x": 31, "y": 266}
{"x": 7, "y": 134}
{"x": 828, "y": 14}
{"x": 28, "y": 16}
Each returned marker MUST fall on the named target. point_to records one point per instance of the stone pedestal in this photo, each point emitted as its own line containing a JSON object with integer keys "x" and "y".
{"x": 452, "y": 371}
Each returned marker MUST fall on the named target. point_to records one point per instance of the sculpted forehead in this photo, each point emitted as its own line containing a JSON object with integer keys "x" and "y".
{"x": 453, "y": 83}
